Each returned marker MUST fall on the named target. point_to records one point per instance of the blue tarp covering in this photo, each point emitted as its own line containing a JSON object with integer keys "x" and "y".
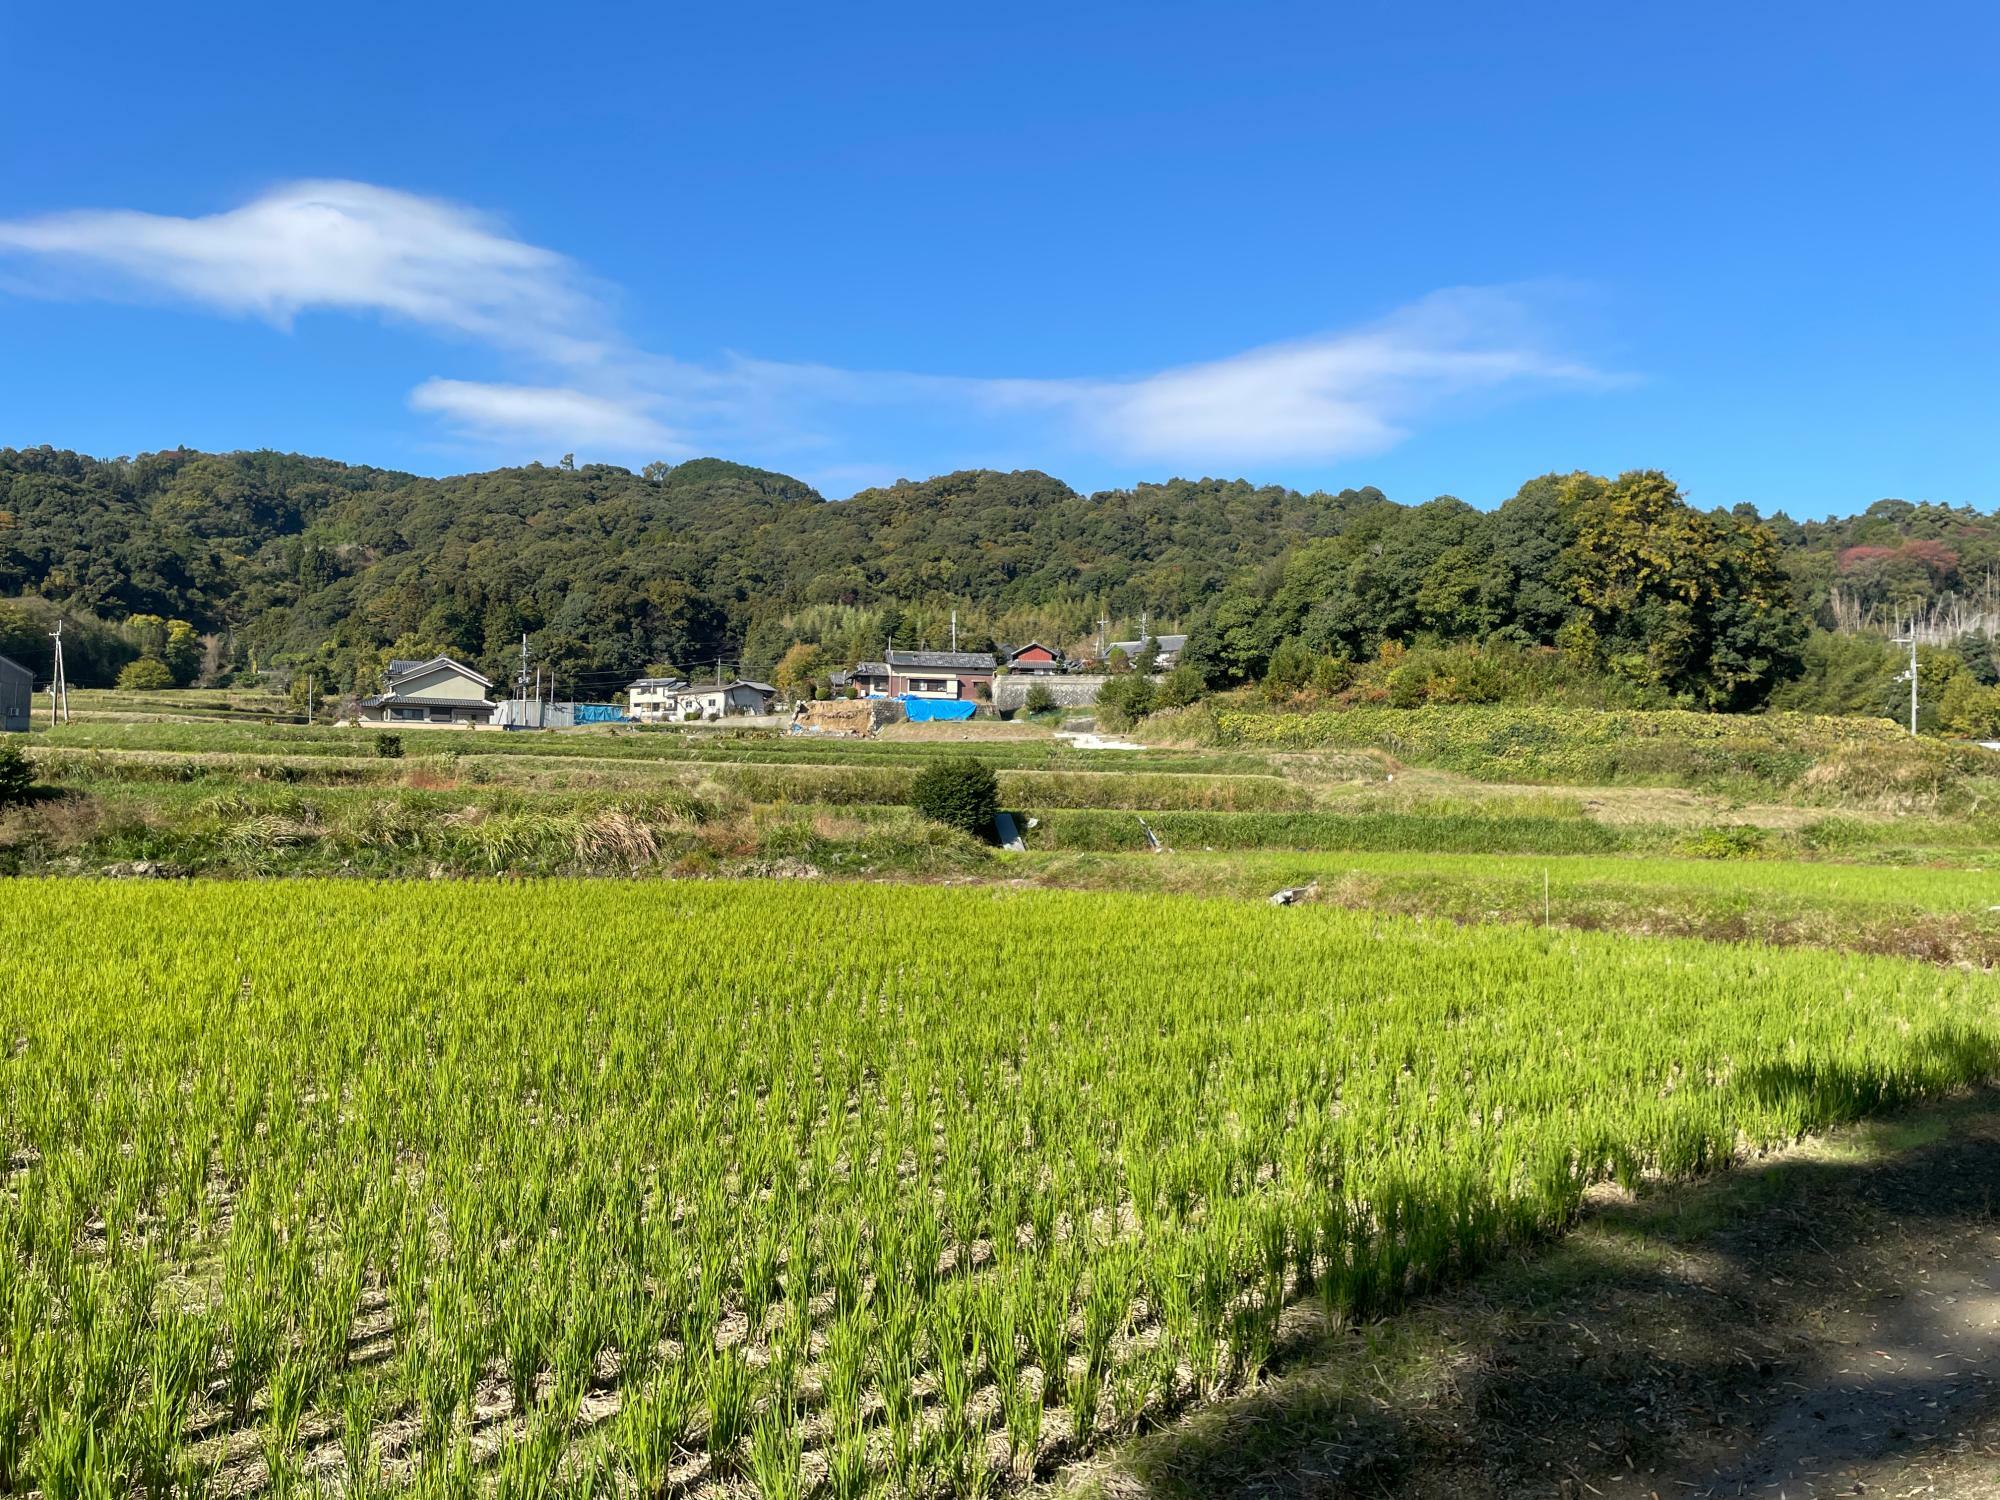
{"x": 925, "y": 710}
{"x": 600, "y": 713}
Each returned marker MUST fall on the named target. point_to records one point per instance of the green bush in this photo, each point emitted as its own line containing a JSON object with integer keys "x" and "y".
{"x": 1125, "y": 700}
{"x": 17, "y": 774}
{"x": 961, "y": 793}
{"x": 1733, "y": 841}
{"x": 389, "y": 746}
{"x": 146, "y": 675}
{"x": 1039, "y": 700}
{"x": 1184, "y": 685}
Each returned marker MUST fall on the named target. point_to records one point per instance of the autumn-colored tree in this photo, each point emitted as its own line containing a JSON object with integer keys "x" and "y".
{"x": 799, "y": 668}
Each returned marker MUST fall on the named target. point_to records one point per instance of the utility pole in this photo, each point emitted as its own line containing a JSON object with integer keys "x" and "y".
{"x": 59, "y": 682}
{"x": 954, "y": 630}
{"x": 1912, "y": 641}
{"x": 521, "y": 680}
{"x": 1103, "y": 637}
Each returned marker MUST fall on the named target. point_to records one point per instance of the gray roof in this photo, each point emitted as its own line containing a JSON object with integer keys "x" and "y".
{"x": 1164, "y": 642}
{"x": 693, "y": 689}
{"x": 392, "y": 701}
{"x": 8, "y": 664}
{"x": 944, "y": 661}
{"x": 399, "y": 667}
{"x": 658, "y": 682}
{"x": 871, "y": 669}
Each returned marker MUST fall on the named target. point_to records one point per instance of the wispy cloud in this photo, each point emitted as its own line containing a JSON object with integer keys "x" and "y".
{"x": 342, "y": 246}
{"x": 357, "y": 248}
{"x": 556, "y": 414}
{"x": 1334, "y": 395}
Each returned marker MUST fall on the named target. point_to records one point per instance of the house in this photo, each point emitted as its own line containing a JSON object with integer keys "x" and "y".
{"x": 1170, "y": 648}
{"x": 650, "y": 699}
{"x": 17, "y": 693}
{"x": 963, "y": 675}
{"x": 438, "y": 691}
{"x": 1033, "y": 658}
{"x": 691, "y": 703}
{"x": 870, "y": 679}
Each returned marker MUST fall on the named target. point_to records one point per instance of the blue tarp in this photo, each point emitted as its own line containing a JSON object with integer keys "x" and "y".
{"x": 925, "y": 710}
{"x": 600, "y": 713}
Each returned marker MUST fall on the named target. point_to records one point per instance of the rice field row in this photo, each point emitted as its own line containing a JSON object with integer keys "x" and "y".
{"x": 679, "y": 1189}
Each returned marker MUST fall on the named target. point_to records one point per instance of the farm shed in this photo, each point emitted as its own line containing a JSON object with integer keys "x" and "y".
{"x": 17, "y": 691}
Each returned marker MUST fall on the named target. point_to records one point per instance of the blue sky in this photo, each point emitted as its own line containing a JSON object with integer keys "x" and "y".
{"x": 1437, "y": 248}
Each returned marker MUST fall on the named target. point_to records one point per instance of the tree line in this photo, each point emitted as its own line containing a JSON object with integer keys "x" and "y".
{"x": 278, "y": 562}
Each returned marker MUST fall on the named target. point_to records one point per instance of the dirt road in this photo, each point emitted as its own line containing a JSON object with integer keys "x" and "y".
{"x": 1827, "y": 1323}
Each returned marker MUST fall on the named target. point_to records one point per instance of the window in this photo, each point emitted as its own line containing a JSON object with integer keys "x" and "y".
{"x": 440, "y": 716}
{"x": 406, "y": 714}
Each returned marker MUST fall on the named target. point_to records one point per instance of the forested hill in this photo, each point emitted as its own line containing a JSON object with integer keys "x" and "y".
{"x": 292, "y": 561}
{"x": 607, "y": 569}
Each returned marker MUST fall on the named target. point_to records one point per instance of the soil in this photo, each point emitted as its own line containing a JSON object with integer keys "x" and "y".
{"x": 1824, "y": 1323}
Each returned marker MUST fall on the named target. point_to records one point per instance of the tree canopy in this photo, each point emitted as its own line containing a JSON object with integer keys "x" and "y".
{"x": 314, "y": 565}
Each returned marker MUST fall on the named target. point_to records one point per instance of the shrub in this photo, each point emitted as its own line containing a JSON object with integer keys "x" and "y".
{"x": 960, "y": 792}
{"x": 1125, "y": 700}
{"x": 1184, "y": 685}
{"x": 1039, "y": 700}
{"x": 389, "y": 746}
{"x": 17, "y": 774}
{"x": 1733, "y": 841}
{"x": 146, "y": 675}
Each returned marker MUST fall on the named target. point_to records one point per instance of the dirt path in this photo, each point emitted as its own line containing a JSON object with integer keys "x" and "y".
{"x": 1825, "y": 1324}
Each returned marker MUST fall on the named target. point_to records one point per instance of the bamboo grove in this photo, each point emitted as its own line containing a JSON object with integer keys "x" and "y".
{"x": 593, "y": 1188}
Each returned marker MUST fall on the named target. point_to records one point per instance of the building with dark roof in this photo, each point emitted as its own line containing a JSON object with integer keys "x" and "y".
{"x": 965, "y": 675}
{"x": 1033, "y": 658}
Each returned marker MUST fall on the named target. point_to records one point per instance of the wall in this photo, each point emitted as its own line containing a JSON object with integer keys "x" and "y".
{"x": 1071, "y": 690}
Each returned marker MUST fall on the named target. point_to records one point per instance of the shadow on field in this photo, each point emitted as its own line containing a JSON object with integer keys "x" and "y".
{"x": 1828, "y": 1320}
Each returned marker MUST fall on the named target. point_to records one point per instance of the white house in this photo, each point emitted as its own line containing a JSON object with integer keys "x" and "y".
{"x": 656, "y": 701}
{"x": 650, "y": 700}
{"x": 438, "y": 691}
{"x": 17, "y": 694}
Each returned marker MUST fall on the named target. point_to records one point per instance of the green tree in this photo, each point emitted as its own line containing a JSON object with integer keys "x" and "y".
{"x": 182, "y": 651}
{"x": 1969, "y": 708}
{"x": 958, "y": 791}
{"x": 1183, "y": 686}
{"x": 146, "y": 675}
{"x": 17, "y": 774}
{"x": 1039, "y": 699}
{"x": 1692, "y": 603}
{"x": 1123, "y": 701}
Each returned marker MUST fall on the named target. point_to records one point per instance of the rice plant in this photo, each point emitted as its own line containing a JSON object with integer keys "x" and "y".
{"x": 578, "y": 1187}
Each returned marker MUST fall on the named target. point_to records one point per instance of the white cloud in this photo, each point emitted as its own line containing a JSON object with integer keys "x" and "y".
{"x": 556, "y": 414}
{"x": 1332, "y": 396}
{"x": 345, "y": 246}
{"x": 355, "y": 247}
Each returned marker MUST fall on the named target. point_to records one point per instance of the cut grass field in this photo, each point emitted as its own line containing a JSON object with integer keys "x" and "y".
{"x": 912, "y": 1190}
{"x": 1939, "y": 914}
